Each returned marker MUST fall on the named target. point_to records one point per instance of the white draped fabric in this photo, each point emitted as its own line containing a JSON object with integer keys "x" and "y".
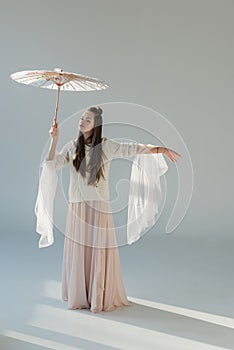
{"x": 44, "y": 207}
{"x": 145, "y": 196}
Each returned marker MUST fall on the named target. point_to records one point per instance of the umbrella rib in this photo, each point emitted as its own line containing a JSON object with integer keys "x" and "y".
{"x": 23, "y": 79}
{"x": 72, "y": 86}
{"x": 83, "y": 84}
{"x": 90, "y": 84}
{"x": 31, "y": 75}
{"x": 44, "y": 83}
{"x": 78, "y": 83}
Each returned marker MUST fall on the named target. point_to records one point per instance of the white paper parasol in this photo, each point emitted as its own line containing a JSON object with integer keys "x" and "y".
{"x": 58, "y": 80}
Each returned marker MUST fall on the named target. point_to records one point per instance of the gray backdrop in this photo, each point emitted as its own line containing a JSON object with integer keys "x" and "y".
{"x": 175, "y": 57}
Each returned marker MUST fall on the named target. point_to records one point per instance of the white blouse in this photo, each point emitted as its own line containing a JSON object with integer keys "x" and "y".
{"x": 79, "y": 190}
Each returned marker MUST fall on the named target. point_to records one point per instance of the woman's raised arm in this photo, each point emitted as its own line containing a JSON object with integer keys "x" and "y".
{"x": 54, "y": 133}
{"x": 57, "y": 160}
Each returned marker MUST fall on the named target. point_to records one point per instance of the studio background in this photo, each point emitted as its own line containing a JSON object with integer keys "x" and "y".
{"x": 175, "y": 57}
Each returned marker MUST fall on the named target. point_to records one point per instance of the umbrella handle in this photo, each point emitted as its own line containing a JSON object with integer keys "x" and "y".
{"x": 57, "y": 102}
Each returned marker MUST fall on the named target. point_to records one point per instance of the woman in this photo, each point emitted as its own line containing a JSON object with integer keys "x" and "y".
{"x": 91, "y": 273}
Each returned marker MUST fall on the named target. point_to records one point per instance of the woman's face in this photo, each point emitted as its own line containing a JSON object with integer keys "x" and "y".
{"x": 86, "y": 121}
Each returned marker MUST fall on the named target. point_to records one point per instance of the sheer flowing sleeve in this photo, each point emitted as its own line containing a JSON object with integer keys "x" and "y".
{"x": 145, "y": 193}
{"x": 117, "y": 149}
{"x": 61, "y": 158}
{"x": 44, "y": 206}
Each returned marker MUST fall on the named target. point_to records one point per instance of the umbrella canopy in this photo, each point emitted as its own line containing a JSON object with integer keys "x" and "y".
{"x": 48, "y": 79}
{"x": 58, "y": 80}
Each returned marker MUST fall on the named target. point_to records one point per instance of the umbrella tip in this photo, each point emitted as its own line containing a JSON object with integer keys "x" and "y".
{"x": 59, "y": 70}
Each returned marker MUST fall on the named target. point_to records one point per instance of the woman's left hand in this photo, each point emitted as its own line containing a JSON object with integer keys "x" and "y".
{"x": 172, "y": 155}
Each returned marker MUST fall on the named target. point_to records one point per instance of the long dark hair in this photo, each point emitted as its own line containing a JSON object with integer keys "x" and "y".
{"x": 96, "y": 165}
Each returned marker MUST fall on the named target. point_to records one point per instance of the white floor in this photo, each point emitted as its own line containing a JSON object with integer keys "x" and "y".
{"x": 182, "y": 289}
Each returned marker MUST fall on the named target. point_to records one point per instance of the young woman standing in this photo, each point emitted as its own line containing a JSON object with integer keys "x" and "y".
{"x": 91, "y": 272}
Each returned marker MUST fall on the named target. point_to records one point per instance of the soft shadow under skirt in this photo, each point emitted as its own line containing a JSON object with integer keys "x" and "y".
{"x": 91, "y": 272}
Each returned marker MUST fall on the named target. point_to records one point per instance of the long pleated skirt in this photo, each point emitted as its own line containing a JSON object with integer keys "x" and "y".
{"x": 91, "y": 271}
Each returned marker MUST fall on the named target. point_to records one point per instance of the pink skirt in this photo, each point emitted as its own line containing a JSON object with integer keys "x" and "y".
{"x": 91, "y": 273}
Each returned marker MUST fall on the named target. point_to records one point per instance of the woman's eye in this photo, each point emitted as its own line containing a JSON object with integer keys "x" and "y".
{"x": 87, "y": 120}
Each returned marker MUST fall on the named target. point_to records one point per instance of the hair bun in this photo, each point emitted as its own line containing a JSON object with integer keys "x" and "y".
{"x": 99, "y": 109}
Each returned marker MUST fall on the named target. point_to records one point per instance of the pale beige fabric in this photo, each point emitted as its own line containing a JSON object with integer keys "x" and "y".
{"x": 91, "y": 276}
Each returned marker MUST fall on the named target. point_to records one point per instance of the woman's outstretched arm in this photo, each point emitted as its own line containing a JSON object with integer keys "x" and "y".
{"x": 148, "y": 149}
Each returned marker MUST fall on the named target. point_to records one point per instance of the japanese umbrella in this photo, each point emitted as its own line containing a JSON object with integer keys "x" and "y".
{"x": 145, "y": 191}
{"x": 58, "y": 80}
